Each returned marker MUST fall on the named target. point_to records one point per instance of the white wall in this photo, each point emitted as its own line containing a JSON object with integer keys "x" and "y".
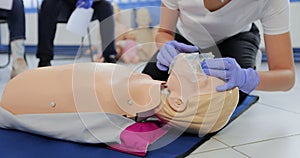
{"x": 295, "y": 30}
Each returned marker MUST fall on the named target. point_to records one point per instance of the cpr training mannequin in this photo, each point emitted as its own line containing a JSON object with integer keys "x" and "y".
{"x": 127, "y": 46}
{"x": 129, "y": 49}
{"x": 145, "y": 34}
{"x": 122, "y": 31}
{"x": 87, "y": 102}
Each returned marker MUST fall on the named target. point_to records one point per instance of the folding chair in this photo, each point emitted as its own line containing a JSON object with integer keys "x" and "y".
{"x": 3, "y": 21}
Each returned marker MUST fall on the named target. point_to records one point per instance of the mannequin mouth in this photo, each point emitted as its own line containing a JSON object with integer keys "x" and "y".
{"x": 163, "y": 85}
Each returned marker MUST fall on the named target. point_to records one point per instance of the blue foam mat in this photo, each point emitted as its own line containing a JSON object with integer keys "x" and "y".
{"x": 16, "y": 144}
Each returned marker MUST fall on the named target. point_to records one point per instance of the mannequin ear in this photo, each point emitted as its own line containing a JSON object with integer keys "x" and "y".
{"x": 176, "y": 102}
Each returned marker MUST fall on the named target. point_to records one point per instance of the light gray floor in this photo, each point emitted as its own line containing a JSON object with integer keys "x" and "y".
{"x": 269, "y": 129}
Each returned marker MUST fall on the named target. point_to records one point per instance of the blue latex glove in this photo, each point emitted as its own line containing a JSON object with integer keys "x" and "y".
{"x": 169, "y": 51}
{"x": 84, "y": 4}
{"x": 230, "y": 71}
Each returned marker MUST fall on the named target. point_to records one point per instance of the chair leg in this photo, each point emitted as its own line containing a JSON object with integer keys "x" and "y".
{"x": 90, "y": 43}
{"x": 7, "y": 63}
{"x": 90, "y": 49}
{"x": 81, "y": 50}
{"x": 8, "y": 58}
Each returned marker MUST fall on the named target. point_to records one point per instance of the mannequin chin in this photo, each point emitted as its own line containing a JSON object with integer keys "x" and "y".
{"x": 187, "y": 80}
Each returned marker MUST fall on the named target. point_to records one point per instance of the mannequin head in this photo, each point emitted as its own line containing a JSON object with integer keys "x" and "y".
{"x": 191, "y": 102}
{"x": 143, "y": 17}
{"x": 187, "y": 80}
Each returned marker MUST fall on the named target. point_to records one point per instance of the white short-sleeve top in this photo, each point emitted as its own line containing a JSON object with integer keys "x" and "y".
{"x": 204, "y": 28}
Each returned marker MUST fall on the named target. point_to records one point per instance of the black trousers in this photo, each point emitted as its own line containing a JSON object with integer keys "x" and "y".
{"x": 242, "y": 46}
{"x": 53, "y": 11}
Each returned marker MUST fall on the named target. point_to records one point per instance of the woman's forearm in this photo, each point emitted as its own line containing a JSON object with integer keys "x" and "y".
{"x": 167, "y": 25}
{"x": 276, "y": 80}
{"x": 162, "y": 37}
{"x": 281, "y": 74}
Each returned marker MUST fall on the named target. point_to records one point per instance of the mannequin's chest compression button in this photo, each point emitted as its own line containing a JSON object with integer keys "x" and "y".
{"x": 52, "y": 104}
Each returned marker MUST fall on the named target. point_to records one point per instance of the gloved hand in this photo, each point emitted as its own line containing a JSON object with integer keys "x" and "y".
{"x": 230, "y": 71}
{"x": 84, "y": 4}
{"x": 168, "y": 52}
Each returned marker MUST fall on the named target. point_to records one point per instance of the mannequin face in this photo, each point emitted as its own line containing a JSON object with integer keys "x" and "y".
{"x": 187, "y": 80}
{"x": 191, "y": 102}
{"x": 143, "y": 18}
